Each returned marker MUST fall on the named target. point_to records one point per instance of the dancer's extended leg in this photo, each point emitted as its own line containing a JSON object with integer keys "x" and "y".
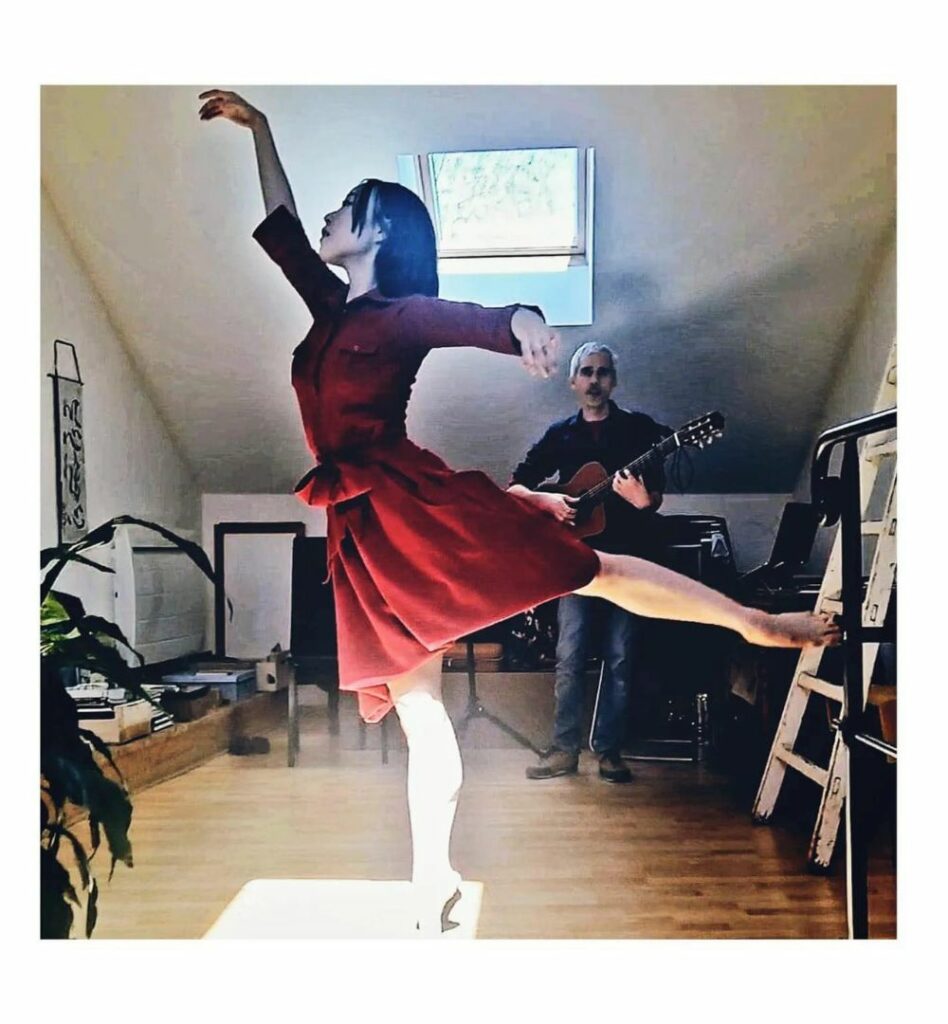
{"x": 648, "y": 589}
{"x": 434, "y": 781}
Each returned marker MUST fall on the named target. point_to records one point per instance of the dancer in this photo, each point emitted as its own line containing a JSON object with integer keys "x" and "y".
{"x": 420, "y": 555}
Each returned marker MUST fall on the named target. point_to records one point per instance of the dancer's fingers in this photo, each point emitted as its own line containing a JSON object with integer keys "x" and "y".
{"x": 528, "y": 357}
{"x": 538, "y": 357}
{"x": 552, "y": 351}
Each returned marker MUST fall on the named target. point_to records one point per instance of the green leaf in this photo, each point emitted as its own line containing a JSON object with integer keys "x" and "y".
{"x": 95, "y": 833}
{"x": 114, "y": 810}
{"x": 101, "y": 747}
{"x": 53, "y": 610}
{"x": 66, "y": 779}
{"x": 87, "y": 651}
{"x": 56, "y": 915}
{"x": 95, "y": 625}
{"x": 92, "y": 565}
{"x": 82, "y": 858}
{"x": 61, "y": 611}
{"x": 64, "y": 880}
{"x": 56, "y": 559}
{"x": 92, "y": 908}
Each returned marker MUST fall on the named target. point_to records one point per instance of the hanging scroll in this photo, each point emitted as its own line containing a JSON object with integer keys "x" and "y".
{"x": 70, "y": 450}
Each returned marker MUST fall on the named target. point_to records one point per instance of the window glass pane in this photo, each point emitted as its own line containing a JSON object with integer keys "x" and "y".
{"x": 521, "y": 198}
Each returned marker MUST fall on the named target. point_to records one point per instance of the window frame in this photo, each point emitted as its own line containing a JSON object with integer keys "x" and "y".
{"x": 424, "y": 178}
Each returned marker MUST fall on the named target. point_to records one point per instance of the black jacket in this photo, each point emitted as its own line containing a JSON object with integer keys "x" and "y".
{"x": 570, "y": 443}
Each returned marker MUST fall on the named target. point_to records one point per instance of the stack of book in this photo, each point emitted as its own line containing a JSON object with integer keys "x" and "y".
{"x": 108, "y": 713}
{"x": 160, "y": 718}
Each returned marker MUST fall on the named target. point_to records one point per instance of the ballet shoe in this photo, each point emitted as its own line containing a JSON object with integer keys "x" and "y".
{"x": 434, "y": 913}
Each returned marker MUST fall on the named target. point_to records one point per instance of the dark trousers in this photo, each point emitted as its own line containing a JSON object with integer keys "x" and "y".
{"x": 620, "y": 629}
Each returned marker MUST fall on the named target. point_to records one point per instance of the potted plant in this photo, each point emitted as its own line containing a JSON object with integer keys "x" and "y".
{"x": 77, "y": 771}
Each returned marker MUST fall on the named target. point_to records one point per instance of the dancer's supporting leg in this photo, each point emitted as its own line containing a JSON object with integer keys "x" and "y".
{"x": 434, "y": 781}
{"x": 648, "y": 589}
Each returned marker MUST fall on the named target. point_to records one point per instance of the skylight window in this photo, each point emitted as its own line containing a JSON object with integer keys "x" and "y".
{"x": 515, "y": 202}
{"x": 512, "y": 225}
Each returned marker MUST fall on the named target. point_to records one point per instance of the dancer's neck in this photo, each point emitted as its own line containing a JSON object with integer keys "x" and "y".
{"x": 361, "y": 273}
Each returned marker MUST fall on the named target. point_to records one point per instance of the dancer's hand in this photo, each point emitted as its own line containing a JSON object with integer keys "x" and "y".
{"x": 628, "y": 486}
{"x": 539, "y": 343}
{"x": 230, "y": 106}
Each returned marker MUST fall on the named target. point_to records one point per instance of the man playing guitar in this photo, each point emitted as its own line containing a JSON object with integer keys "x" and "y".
{"x": 603, "y": 433}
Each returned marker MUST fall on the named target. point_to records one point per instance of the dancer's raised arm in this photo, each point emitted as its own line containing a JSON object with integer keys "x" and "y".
{"x": 273, "y": 180}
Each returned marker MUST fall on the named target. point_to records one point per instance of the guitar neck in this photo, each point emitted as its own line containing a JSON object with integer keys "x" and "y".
{"x": 658, "y": 453}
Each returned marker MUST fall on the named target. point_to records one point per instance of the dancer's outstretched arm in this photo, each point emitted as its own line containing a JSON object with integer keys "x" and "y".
{"x": 273, "y": 180}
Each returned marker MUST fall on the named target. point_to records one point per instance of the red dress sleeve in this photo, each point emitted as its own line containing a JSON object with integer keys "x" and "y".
{"x": 283, "y": 239}
{"x": 441, "y": 323}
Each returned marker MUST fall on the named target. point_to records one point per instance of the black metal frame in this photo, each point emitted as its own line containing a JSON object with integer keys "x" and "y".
{"x": 838, "y": 499}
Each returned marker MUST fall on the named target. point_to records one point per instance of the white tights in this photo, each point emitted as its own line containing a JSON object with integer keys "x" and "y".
{"x": 434, "y": 780}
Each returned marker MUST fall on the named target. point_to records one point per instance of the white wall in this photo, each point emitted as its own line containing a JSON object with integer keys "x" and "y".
{"x": 857, "y": 380}
{"x": 132, "y": 464}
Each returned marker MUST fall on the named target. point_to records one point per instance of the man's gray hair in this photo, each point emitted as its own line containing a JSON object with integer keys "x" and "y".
{"x": 590, "y": 348}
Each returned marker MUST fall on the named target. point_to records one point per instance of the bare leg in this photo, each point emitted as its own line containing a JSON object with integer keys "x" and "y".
{"x": 434, "y": 781}
{"x": 644, "y": 588}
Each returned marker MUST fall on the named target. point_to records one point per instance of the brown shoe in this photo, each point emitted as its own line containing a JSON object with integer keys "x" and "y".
{"x": 557, "y": 762}
{"x": 612, "y": 768}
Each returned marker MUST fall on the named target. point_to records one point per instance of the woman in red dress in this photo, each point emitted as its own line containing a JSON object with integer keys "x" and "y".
{"x": 420, "y": 555}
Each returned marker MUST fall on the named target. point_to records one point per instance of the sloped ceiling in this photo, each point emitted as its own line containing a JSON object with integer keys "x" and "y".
{"x": 737, "y": 230}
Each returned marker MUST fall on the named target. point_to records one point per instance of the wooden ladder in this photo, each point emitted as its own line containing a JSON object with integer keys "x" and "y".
{"x": 876, "y": 452}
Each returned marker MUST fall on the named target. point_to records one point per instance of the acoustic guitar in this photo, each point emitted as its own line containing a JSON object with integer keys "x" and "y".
{"x": 591, "y": 484}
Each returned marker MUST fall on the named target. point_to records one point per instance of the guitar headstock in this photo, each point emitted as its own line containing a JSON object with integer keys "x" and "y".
{"x": 702, "y": 431}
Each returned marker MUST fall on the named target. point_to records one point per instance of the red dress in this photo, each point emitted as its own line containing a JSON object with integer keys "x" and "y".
{"x": 419, "y": 555}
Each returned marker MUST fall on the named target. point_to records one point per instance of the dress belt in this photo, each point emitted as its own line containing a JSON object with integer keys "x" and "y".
{"x": 344, "y": 474}
{"x": 331, "y": 482}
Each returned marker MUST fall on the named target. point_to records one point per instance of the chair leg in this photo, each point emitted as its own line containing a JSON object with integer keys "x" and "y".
{"x": 333, "y": 703}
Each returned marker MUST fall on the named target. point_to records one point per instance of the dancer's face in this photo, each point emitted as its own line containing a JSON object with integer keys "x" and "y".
{"x": 339, "y": 242}
{"x": 594, "y": 381}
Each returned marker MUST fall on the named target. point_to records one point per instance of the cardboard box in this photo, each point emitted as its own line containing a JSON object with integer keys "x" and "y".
{"x": 186, "y": 707}
{"x": 128, "y": 722}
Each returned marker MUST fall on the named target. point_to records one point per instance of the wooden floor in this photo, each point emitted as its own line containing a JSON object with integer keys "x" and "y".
{"x": 672, "y": 855}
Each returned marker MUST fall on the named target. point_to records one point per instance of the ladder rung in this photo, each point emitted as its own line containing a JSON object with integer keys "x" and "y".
{"x": 880, "y": 451}
{"x": 811, "y": 682}
{"x": 812, "y": 771}
{"x": 831, "y": 604}
{"x": 872, "y": 528}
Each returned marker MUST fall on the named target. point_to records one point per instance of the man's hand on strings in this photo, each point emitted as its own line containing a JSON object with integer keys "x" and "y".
{"x": 628, "y": 486}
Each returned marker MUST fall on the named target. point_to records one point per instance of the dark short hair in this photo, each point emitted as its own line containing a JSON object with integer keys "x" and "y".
{"x": 407, "y": 260}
